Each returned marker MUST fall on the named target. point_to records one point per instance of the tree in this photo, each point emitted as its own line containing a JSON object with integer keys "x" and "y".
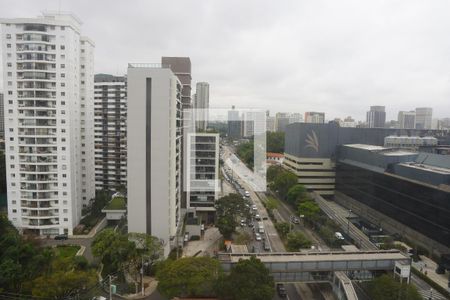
{"x": 296, "y": 194}
{"x": 273, "y": 172}
{"x": 188, "y": 277}
{"x": 296, "y": 240}
{"x": 284, "y": 182}
{"x": 61, "y": 284}
{"x": 386, "y": 287}
{"x": 113, "y": 249}
{"x": 249, "y": 279}
{"x": 310, "y": 210}
{"x": 246, "y": 153}
{"x": 275, "y": 142}
{"x": 226, "y": 225}
{"x": 232, "y": 205}
{"x": 282, "y": 228}
{"x": 271, "y": 203}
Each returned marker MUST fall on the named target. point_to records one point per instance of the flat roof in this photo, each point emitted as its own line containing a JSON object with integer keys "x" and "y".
{"x": 366, "y": 147}
{"x": 415, "y": 165}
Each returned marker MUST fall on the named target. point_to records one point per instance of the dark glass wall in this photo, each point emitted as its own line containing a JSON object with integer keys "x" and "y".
{"x": 422, "y": 208}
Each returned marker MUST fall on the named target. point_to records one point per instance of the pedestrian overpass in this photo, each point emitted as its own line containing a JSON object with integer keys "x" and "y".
{"x": 320, "y": 266}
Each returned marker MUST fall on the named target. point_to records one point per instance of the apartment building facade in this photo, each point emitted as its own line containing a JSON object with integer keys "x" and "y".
{"x": 48, "y": 80}
{"x": 154, "y": 131}
{"x": 203, "y": 174}
{"x": 110, "y": 106}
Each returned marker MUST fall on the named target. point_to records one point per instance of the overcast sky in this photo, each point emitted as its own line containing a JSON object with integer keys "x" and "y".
{"x": 339, "y": 57}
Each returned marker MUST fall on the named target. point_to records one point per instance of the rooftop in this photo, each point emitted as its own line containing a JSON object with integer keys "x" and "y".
{"x": 117, "y": 203}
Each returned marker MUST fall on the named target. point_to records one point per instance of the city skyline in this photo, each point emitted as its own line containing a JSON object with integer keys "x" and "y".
{"x": 335, "y": 66}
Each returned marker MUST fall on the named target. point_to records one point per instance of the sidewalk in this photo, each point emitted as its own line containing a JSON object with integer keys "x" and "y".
{"x": 210, "y": 237}
{"x": 429, "y": 266}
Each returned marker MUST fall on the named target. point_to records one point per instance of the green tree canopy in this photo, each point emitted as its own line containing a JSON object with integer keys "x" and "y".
{"x": 386, "y": 287}
{"x": 275, "y": 142}
{"x": 249, "y": 279}
{"x": 228, "y": 209}
{"x": 282, "y": 228}
{"x": 226, "y": 225}
{"x": 284, "y": 182}
{"x": 273, "y": 172}
{"x": 310, "y": 210}
{"x": 188, "y": 277}
{"x": 246, "y": 153}
{"x": 297, "y": 194}
{"x": 296, "y": 241}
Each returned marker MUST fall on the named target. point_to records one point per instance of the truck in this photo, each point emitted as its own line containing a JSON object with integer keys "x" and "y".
{"x": 260, "y": 227}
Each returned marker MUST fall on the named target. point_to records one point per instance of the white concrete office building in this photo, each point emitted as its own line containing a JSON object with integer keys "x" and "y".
{"x": 110, "y": 119}
{"x": 203, "y": 174}
{"x": 49, "y": 86}
{"x": 406, "y": 119}
{"x": 154, "y": 130}
{"x": 424, "y": 117}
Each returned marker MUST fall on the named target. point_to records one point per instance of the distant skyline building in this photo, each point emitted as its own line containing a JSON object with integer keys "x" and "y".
{"x": 270, "y": 124}
{"x": 48, "y": 77}
{"x": 376, "y": 117}
{"x": 234, "y": 124}
{"x": 406, "y": 119}
{"x": 424, "y": 117}
{"x": 154, "y": 148}
{"x": 295, "y": 118}
{"x": 314, "y": 117}
{"x": 110, "y": 117}
{"x": 201, "y": 104}
{"x": 281, "y": 121}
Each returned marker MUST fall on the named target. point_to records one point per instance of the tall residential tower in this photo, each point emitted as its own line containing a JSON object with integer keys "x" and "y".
{"x": 110, "y": 107}
{"x": 49, "y": 91}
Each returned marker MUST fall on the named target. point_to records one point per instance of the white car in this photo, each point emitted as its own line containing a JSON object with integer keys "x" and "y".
{"x": 257, "y": 236}
{"x": 247, "y": 193}
{"x": 339, "y": 236}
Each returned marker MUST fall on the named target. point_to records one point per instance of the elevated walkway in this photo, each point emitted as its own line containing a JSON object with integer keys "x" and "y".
{"x": 318, "y": 266}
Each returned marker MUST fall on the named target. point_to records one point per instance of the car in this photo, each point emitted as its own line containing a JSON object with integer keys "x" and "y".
{"x": 295, "y": 220}
{"x": 266, "y": 246}
{"x": 247, "y": 194}
{"x": 258, "y": 236}
{"x": 257, "y": 217}
{"x": 251, "y": 224}
{"x": 61, "y": 237}
{"x": 338, "y": 236}
{"x": 281, "y": 290}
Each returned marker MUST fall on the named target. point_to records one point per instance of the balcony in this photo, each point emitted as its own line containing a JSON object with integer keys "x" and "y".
{"x": 36, "y": 75}
{"x": 37, "y": 132}
{"x": 37, "y": 57}
{"x": 38, "y": 168}
{"x": 36, "y": 94}
{"x": 36, "y": 123}
{"x": 38, "y": 196}
{"x": 38, "y": 159}
{"x": 36, "y": 85}
{"x": 35, "y": 47}
{"x": 36, "y": 66}
{"x": 35, "y": 37}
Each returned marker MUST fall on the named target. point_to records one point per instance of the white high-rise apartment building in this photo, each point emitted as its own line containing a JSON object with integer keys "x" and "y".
{"x": 424, "y": 117}
{"x": 201, "y": 104}
{"x": 154, "y": 131}
{"x": 49, "y": 91}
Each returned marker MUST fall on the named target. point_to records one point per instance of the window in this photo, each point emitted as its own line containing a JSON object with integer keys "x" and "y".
{"x": 63, "y": 121}
{"x": 63, "y": 28}
{"x": 63, "y": 93}
{"x": 63, "y": 56}
{"x": 82, "y": 50}
{"x": 10, "y": 92}
{"x": 64, "y": 175}
{"x": 10, "y": 102}
{"x": 65, "y": 211}
{"x": 63, "y": 75}
{"x": 9, "y": 83}
{"x": 65, "y": 219}
{"x": 63, "y": 84}
{"x": 63, "y": 102}
{"x": 9, "y": 55}
{"x": 14, "y": 211}
{"x": 82, "y": 66}
{"x": 11, "y": 130}
{"x": 64, "y": 193}
{"x": 64, "y": 184}
{"x": 8, "y": 45}
{"x": 63, "y": 66}
{"x": 8, "y": 36}
{"x": 63, "y": 47}
{"x": 11, "y": 166}
{"x": 9, "y": 74}
{"x": 9, "y": 65}
{"x": 14, "y": 202}
{"x": 63, "y": 148}
{"x": 11, "y": 139}
{"x": 63, "y": 130}
{"x": 10, "y": 111}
